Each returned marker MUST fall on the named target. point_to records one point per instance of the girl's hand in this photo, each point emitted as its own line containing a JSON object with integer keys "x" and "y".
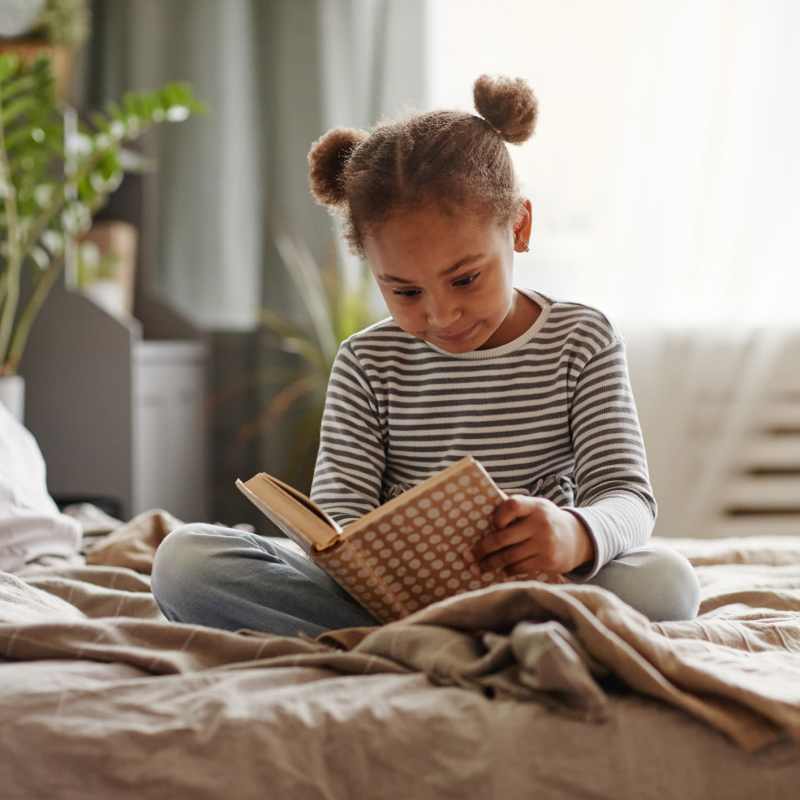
{"x": 533, "y": 535}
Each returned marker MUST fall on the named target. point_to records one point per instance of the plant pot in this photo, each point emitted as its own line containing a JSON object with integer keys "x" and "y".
{"x": 12, "y": 395}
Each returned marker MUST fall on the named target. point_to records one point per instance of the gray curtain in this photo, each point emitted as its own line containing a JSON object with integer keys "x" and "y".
{"x": 203, "y": 233}
{"x": 275, "y": 74}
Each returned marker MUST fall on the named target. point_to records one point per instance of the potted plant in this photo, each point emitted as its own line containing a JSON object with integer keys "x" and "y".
{"x": 53, "y": 177}
{"x": 334, "y": 308}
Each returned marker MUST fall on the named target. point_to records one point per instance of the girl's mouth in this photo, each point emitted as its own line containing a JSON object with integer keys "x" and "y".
{"x": 457, "y": 336}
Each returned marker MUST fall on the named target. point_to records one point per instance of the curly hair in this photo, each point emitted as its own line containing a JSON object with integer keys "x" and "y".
{"x": 451, "y": 158}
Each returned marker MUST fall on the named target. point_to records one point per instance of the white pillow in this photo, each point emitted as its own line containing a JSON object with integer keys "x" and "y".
{"x": 30, "y": 522}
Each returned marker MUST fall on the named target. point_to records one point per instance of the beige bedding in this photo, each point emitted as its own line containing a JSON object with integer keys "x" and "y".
{"x": 519, "y": 690}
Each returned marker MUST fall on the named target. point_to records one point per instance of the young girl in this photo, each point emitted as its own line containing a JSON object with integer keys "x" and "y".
{"x": 534, "y": 387}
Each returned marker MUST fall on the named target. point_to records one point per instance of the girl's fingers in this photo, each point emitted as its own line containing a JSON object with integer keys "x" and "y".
{"x": 531, "y": 567}
{"x": 501, "y": 559}
{"x": 515, "y": 507}
{"x": 496, "y": 541}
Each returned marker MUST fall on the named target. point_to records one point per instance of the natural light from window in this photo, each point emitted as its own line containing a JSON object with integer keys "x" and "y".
{"x": 664, "y": 165}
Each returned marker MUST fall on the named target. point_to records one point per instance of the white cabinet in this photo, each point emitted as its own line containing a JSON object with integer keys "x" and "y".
{"x": 169, "y": 428}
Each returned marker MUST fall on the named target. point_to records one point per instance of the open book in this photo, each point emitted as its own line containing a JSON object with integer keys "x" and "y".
{"x": 403, "y": 555}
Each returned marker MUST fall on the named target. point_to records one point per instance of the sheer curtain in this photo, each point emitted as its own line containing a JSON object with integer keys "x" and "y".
{"x": 663, "y": 178}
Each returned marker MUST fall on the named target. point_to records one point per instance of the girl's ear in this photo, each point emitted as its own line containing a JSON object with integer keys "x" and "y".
{"x": 523, "y": 226}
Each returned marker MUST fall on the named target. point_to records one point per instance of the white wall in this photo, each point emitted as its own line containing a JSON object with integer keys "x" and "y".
{"x": 664, "y": 169}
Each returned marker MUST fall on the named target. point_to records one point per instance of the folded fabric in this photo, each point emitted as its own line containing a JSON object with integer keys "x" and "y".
{"x": 134, "y": 544}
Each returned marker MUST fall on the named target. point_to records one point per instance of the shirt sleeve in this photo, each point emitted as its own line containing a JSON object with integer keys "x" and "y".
{"x": 614, "y": 497}
{"x": 351, "y": 460}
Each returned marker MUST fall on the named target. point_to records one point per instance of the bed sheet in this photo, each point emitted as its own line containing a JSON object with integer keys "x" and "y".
{"x": 507, "y": 692}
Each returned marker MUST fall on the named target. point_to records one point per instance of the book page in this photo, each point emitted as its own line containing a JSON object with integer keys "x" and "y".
{"x": 302, "y": 520}
{"x": 302, "y": 499}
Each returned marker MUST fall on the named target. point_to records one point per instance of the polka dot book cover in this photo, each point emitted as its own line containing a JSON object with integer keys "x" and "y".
{"x": 403, "y": 555}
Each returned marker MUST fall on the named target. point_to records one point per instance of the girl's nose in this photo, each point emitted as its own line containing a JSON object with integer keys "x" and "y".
{"x": 442, "y": 313}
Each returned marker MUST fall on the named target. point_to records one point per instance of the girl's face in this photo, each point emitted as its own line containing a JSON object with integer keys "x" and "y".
{"x": 448, "y": 279}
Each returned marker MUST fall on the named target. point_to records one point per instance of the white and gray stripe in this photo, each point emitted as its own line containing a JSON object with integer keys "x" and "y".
{"x": 550, "y": 414}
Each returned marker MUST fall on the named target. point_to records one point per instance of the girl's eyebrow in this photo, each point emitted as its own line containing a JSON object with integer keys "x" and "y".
{"x": 460, "y": 263}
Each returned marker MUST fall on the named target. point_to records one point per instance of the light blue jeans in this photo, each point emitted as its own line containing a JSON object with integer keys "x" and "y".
{"x": 231, "y": 579}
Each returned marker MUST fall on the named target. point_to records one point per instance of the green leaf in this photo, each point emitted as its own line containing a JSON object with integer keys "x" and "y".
{"x": 114, "y": 112}
{"x": 100, "y": 121}
{"x": 8, "y": 65}
{"x": 16, "y": 108}
{"x": 180, "y": 94}
{"x": 22, "y": 135}
{"x": 333, "y": 311}
{"x": 33, "y": 148}
{"x": 134, "y": 105}
{"x": 41, "y": 65}
{"x": 15, "y": 86}
{"x": 86, "y": 191}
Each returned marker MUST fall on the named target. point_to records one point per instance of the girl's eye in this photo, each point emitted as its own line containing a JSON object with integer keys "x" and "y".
{"x": 463, "y": 281}
{"x": 466, "y": 280}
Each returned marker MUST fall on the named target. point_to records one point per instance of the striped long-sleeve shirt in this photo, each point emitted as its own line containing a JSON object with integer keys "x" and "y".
{"x": 550, "y": 414}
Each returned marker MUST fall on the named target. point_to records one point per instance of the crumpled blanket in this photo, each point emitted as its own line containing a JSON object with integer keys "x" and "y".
{"x": 134, "y": 544}
{"x": 736, "y": 667}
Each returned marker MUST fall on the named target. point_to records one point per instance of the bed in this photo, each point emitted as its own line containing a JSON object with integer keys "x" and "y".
{"x": 520, "y": 690}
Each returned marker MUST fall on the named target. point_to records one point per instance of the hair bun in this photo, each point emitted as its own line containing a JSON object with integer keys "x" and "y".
{"x": 508, "y": 105}
{"x": 327, "y": 159}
